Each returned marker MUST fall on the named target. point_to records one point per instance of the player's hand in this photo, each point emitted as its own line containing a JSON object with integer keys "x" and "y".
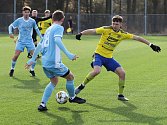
{"x": 75, "y": 57}
{"x": 78, "y": 36}
{"x": 29, "y": 63}
{"x": 155, "y": 48}
{"x": 11, "y": 36}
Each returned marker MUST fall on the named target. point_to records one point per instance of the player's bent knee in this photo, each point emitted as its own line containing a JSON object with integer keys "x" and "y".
{"x": 70, "y": 76}
{"x": 122, "y": 74}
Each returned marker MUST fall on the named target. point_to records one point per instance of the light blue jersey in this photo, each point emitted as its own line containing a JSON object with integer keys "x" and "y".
{"x": 25, "y": 28}
{"x": 51, "y": 46}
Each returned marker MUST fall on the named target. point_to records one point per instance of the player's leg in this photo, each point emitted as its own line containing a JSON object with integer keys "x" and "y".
{"x": 30, "y": 48}
{"x": 36, "y": 43}
{"x": 112, "y": 65}
{"x": 49, "y": 72}
{"x": 32, "y": 72}
{"x": 70, "y": 88}
{"x": 47, "y": 93}
{"x": 29, "y": 55}
{"x": 72, "y": 30}
{"x": 18, "y": 50}
{"x": 121, "y": 84}
{"x": 96, "y": 64}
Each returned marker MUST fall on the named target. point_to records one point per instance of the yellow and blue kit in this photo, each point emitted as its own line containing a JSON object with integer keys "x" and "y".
{"x": 107, "y": 43}
{"x": 109, "y": 40}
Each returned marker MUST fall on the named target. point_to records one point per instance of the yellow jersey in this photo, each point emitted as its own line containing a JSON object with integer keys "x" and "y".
{"x": 109, "y": 40}
{"x": 44, "y": 25}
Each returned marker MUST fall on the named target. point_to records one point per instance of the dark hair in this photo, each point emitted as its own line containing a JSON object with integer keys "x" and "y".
{"x": 58, "y": 15}
{"x": 26, "y": 8}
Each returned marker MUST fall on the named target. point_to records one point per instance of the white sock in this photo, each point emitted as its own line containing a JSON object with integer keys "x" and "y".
{"x": 43, "y": 104}
{"x": 32, "y": 69}
{"x": 72, "y": 97}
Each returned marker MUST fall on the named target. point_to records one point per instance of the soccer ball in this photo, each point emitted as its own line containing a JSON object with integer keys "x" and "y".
{"x": 61, "y": 97}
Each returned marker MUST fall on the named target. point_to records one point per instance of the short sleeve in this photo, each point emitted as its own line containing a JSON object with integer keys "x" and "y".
{"x": 128, "y": 36}
{"x": 100, "y": 30}
{"x": 15, "y": 24}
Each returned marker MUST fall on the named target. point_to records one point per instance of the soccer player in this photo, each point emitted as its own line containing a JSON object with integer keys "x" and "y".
{"x": 34, "y": 35}
{"x": 103, "y": 56}
{"x": 45, "y": 24}
{"x": 37, "y": 19}
{"x": 52, "y": 64}
{"x": 25, "y": 26}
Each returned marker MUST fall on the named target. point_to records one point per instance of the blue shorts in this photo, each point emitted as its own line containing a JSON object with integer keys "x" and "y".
{"x": 56, "y": 72}
{"x": 29, "y": 45}
{"x": 109, "y": 63}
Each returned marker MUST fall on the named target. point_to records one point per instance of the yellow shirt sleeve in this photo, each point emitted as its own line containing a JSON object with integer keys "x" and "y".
{"x": 100, "y": 30}
{"x": 128, "y": 36}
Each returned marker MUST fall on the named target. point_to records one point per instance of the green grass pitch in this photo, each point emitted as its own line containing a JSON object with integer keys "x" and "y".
{"x": 146, "y": 87}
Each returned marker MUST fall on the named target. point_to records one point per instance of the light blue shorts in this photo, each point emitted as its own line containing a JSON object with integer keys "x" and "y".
{"x": 55, "y": 72}
{"x": 29, "y": 46}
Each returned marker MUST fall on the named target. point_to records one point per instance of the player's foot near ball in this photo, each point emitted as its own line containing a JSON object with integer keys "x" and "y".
{"x": 11, "y": 73}
{"x": 41, "y": 107}
{"x": 32, "y": 73}
{"x": 77, "y": 100}
{"x": 79, "y": 88}
{"x": 122, "y": 98}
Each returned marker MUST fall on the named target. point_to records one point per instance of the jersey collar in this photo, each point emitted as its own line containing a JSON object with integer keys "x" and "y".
{"x": 26, "y": 20}
{"x": 115, "y": 30}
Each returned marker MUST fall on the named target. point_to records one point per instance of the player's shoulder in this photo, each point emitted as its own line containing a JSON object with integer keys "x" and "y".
{"x": 56, "y": 28}
{"x": 59, "y": 27}
{"x": 123, "y": 32}
{"x": 18, "y": 19}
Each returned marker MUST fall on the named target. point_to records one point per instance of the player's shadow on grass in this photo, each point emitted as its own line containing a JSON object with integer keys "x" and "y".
{"x": 30, "y": 84}
{"x": 128, "y": 112}
{"x": 77, "y": 119}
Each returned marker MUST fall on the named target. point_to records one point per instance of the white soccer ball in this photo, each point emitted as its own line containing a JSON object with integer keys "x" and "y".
{"x": 61, "y": 97}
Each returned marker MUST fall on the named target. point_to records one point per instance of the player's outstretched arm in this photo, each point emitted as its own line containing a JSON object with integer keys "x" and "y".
{"x": 10, "y": 28}
{"x": 63, "y": 48}
{"x": 153, "y": 47}
{"x": 85, "y": 32}
{"x": 44, "y": 18}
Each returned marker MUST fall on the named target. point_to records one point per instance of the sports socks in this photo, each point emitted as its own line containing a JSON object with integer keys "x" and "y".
{"x": 70, "y": 88}
{"x": 47, "y": 93}
{"x": 121, "y": 87}
{"x": 87, "y": 79}
{"x": 13, "y": 64}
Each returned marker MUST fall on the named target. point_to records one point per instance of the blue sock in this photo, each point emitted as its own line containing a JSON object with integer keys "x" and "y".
{"x": 70, "y": 88}
{"x": 33, "y": 66}
{"x": 47, "y": 93}
{"x": 13, "y": 64}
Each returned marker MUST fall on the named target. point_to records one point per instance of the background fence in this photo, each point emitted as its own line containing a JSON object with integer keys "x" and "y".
{"x": 140, "y": 16}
